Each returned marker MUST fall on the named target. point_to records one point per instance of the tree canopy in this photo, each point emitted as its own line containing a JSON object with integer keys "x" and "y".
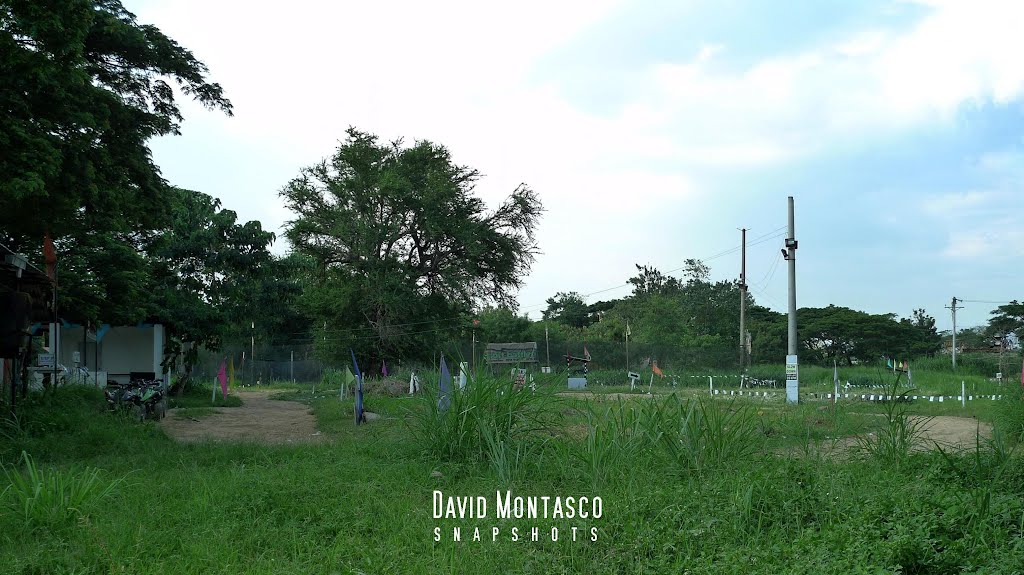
{"x": 402, "y": 246}
{"x": 85, "y": 87}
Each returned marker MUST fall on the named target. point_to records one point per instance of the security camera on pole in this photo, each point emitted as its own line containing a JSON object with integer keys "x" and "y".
{"x": 792, "y": 365}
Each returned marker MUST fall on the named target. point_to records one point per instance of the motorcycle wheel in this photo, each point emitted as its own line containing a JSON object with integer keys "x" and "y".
{"x": 138, "y": 413}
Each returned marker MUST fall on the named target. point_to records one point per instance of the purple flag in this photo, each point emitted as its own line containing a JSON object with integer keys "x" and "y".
{"x": 446, "y": 387}
{"x": 383, "y": 368}
{"x": 222, "y": 376}
{"x": 359, "y": 390}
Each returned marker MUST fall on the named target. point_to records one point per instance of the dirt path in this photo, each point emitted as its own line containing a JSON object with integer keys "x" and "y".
{"x": 952, "y": 431}
{"x": 259, "y": 419}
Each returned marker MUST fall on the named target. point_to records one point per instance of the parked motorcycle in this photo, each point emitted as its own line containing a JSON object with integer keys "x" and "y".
{"x": 141, "y": 399}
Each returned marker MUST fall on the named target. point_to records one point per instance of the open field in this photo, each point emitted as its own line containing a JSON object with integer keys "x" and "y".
{"x": 687, "y": 483}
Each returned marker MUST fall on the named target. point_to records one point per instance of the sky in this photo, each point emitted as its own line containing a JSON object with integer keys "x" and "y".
{"x": 653, "y": 131}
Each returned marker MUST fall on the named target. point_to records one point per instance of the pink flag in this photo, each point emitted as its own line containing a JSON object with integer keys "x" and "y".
{"x": 222, "y": 376}
{"x": 383, "y": 369}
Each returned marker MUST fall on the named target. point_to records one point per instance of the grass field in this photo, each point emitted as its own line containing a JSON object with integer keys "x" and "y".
{"x": 687, "y": 483}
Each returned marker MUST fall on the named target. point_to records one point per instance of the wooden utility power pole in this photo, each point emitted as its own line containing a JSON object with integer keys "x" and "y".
{"x": 953, "y": 308}
{"x": 743, "y": 299}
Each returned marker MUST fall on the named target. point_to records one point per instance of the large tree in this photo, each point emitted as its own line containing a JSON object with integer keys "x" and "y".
{"x": 1007, "y": 319}
{"x": 403, "y": 247}
{"x": 568, "y": 308}
{"x": 209, "y": 274}
{"x": 83, "y": 87}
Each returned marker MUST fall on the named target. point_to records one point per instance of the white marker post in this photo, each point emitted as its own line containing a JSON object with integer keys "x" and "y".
{"x": 963, "y": 394}
{"x": 711, "y": 385}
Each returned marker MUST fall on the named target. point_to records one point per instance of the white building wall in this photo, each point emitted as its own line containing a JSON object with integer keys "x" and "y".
{"x": 121, "y": 351}
{"x": 127, "y": 349}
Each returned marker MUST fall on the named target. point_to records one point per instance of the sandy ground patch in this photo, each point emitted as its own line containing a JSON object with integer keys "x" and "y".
{"x": 258, "y": 419}
{"x": 952, "y": 431}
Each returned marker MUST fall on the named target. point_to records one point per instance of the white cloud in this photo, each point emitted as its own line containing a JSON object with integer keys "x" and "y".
{"x": 871, "y": 84}
{"x": 982, "y": 226}
{"x": 953, "y": 206}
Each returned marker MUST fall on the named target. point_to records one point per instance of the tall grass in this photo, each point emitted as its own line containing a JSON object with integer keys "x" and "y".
{"x": 1009, "y": 415}
{"x": 900, "y": 432}
{"x": 696, "y": 435}
{"x": 490, "y": 420}
{"x": 53, "y": 498}
{"x": 699, "y": 434}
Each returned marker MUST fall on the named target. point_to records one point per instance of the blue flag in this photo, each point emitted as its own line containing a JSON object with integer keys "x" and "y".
{"x": 359, "y": 390}
{"x": 446, "y": 387}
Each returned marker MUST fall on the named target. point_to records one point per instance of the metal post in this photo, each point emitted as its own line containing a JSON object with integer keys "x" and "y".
{"x": 292, "y": 367}
{"x": 793, "y": 374}
{"x": 252, "y": 355}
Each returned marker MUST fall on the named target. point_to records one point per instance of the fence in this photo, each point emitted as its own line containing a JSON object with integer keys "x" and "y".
{"x": 302, "y": 364}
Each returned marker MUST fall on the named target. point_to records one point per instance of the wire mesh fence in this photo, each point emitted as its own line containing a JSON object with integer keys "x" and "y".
{"x": 256, "y": 365}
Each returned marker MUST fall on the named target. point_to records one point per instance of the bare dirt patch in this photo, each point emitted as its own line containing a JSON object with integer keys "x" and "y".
{"x": 259, "y": 419}
{"x": 945, "y": 431}
{"x": 952, "y": 431}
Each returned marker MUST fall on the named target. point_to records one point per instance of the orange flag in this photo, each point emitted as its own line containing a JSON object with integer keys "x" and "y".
{"x": 657, "y": 371}
{"x": 50, "y": 256}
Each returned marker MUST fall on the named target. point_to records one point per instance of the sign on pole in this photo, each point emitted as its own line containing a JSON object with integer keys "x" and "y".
{"x": 792, "y": 379}
{"x": 499, "y": 353}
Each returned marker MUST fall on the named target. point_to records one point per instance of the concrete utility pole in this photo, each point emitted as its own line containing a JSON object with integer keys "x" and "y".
{"x": 792, "y": 367}
{"x": 953, "y": 308}
{"x": 743, "y": 299}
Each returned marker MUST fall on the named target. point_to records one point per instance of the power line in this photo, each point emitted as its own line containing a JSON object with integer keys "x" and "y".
{"x": 771, "y": 271}
{"x": 759, "y": 240}
{"x": 770, "y": 298}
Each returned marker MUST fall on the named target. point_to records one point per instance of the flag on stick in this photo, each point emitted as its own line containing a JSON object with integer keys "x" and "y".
{"x": 383, "y": 368}
{"x": 50, "y": 256}
{"x": 446, "y": 387}
{"x": 359, "y": 390}
{"x": 835, "y": 380}
{"x": 231, "y": 373}
{"x": 656, "y": 370}
{"x": 222, "y": 377}
{"x": 586, "y": 354}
